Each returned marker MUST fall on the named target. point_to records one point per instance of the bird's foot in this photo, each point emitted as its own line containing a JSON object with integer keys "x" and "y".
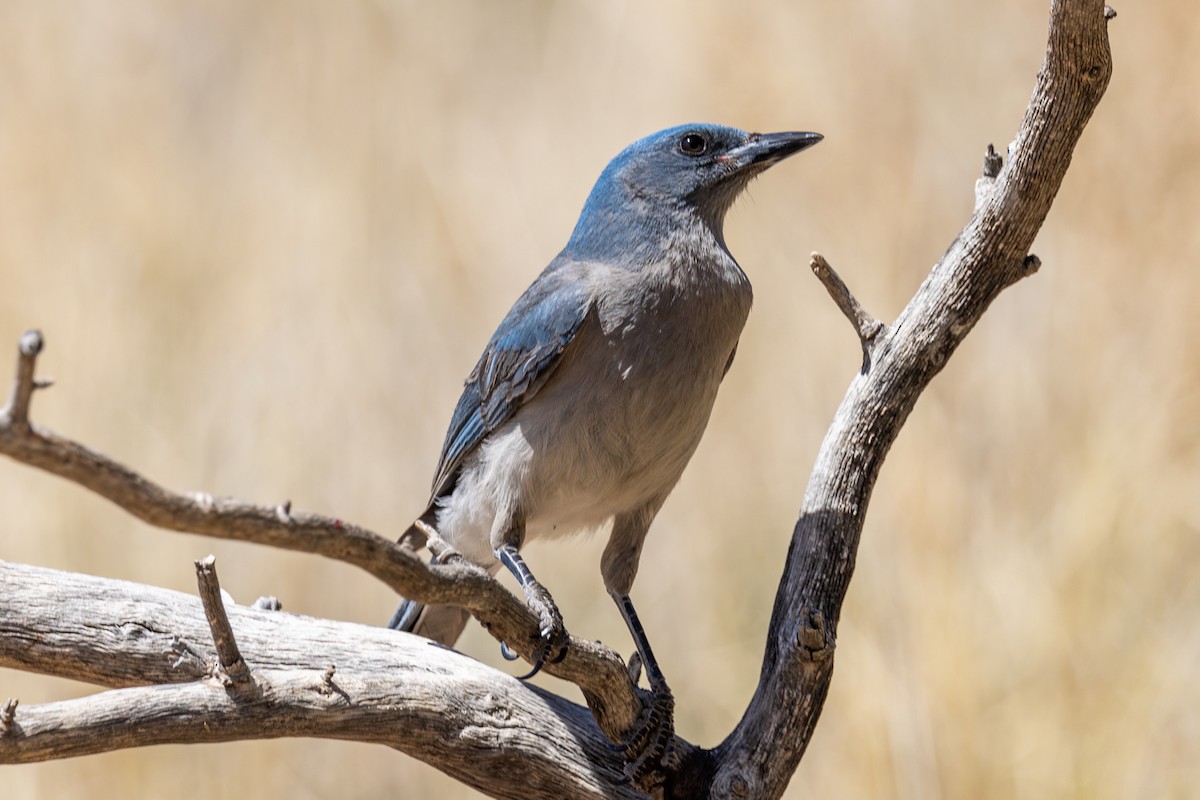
{"x": 553, "y": 646}
{"x": 649, "y": 750}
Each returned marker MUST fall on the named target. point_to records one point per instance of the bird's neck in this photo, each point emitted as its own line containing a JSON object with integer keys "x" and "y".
{"x": 638, "y": 231}
{"x": 696, "y": 256}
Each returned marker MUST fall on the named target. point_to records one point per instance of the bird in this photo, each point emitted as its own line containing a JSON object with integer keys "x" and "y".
{"x": 593, "y": 393}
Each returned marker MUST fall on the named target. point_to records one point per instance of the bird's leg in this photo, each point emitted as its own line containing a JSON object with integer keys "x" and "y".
{"x": 554, "y": 634}
{"x": 650, "y": 747}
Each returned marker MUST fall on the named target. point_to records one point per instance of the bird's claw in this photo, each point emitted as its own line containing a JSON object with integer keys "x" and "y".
{"x": 649, "y": 750}
{"x": 554, "y": 639}
{"x": 554, "y": 633}
{"x": 553, "y": 647}
{"x": 537, "y": 666}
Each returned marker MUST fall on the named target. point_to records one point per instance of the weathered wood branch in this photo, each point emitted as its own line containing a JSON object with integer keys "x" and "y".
{"x": 230, "y": 666}
{"x": 990, "y": 254}
{"x": 341, "y": 677}
{"x": 311, "y": 677}
{"x": 597, "y": 670}
{"x": 614, "y": 700}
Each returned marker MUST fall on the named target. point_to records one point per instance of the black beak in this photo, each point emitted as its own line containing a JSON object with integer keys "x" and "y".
{"x": 767, "y": 149}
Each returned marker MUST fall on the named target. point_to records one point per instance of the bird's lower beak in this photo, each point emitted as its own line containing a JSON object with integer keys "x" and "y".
{"x": 767, "y": 149}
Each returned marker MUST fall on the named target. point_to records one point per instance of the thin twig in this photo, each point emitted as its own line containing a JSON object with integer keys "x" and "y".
{"x": 865, "y": 325}
{"x": 16, "y": 412}
{"x": 992, "y": 164}
{"x": 231, "y": 667}
{"x": 7, "y": 715}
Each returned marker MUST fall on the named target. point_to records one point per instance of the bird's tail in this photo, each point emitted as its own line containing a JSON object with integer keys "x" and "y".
{"x": 442, "y": 624}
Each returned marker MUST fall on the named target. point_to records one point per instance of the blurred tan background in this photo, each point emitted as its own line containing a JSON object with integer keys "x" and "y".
{"x": 266, "y": 242}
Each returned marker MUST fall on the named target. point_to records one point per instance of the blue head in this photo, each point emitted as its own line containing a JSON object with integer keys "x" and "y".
{"x": 686, "y": 174}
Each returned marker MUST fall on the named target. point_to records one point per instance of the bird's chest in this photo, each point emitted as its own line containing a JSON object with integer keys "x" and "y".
{"x": 626, "y": 409}
{"x": 665, "y": 353}
{"x": 675, "y": 343}
{"x": 679, "y": 327}
{"x": 624, "y": 415}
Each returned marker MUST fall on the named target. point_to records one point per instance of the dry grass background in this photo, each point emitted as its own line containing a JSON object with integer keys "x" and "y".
{"x": 266, "y": 241}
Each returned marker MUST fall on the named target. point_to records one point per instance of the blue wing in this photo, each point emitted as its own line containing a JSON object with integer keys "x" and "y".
{"x": 518, "y": 360}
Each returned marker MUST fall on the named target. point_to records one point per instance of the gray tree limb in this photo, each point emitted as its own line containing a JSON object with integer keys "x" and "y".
{"x": 310, "y": 677}
{"x": 596, "y": 669}
{"x": 319, "y": 678}
{"x": 990, "y": 254}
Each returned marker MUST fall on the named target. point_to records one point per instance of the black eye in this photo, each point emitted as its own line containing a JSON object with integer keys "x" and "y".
{"x": 693, "y": 144}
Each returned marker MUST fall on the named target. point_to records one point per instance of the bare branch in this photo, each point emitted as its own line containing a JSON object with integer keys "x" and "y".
{"x": 865, "y": 325}
{"x": 388, "y": 688}
{"x": 230, "y": 667}
{"x": 598, "y": 671}
{"x": 7, "y": 714}
{"x": 16, "y": 412}
{"x": 990, "y": 254}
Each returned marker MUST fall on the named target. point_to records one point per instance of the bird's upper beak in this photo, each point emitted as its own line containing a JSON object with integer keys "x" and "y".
{"x": 766, "y": 149}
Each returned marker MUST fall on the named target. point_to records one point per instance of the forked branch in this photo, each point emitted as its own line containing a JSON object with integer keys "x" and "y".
{"x": 990, "y": 254}
{"x": 596, "y": 669}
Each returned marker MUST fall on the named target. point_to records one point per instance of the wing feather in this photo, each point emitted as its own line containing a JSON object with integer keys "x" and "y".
{"x": 518, "y": 360}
